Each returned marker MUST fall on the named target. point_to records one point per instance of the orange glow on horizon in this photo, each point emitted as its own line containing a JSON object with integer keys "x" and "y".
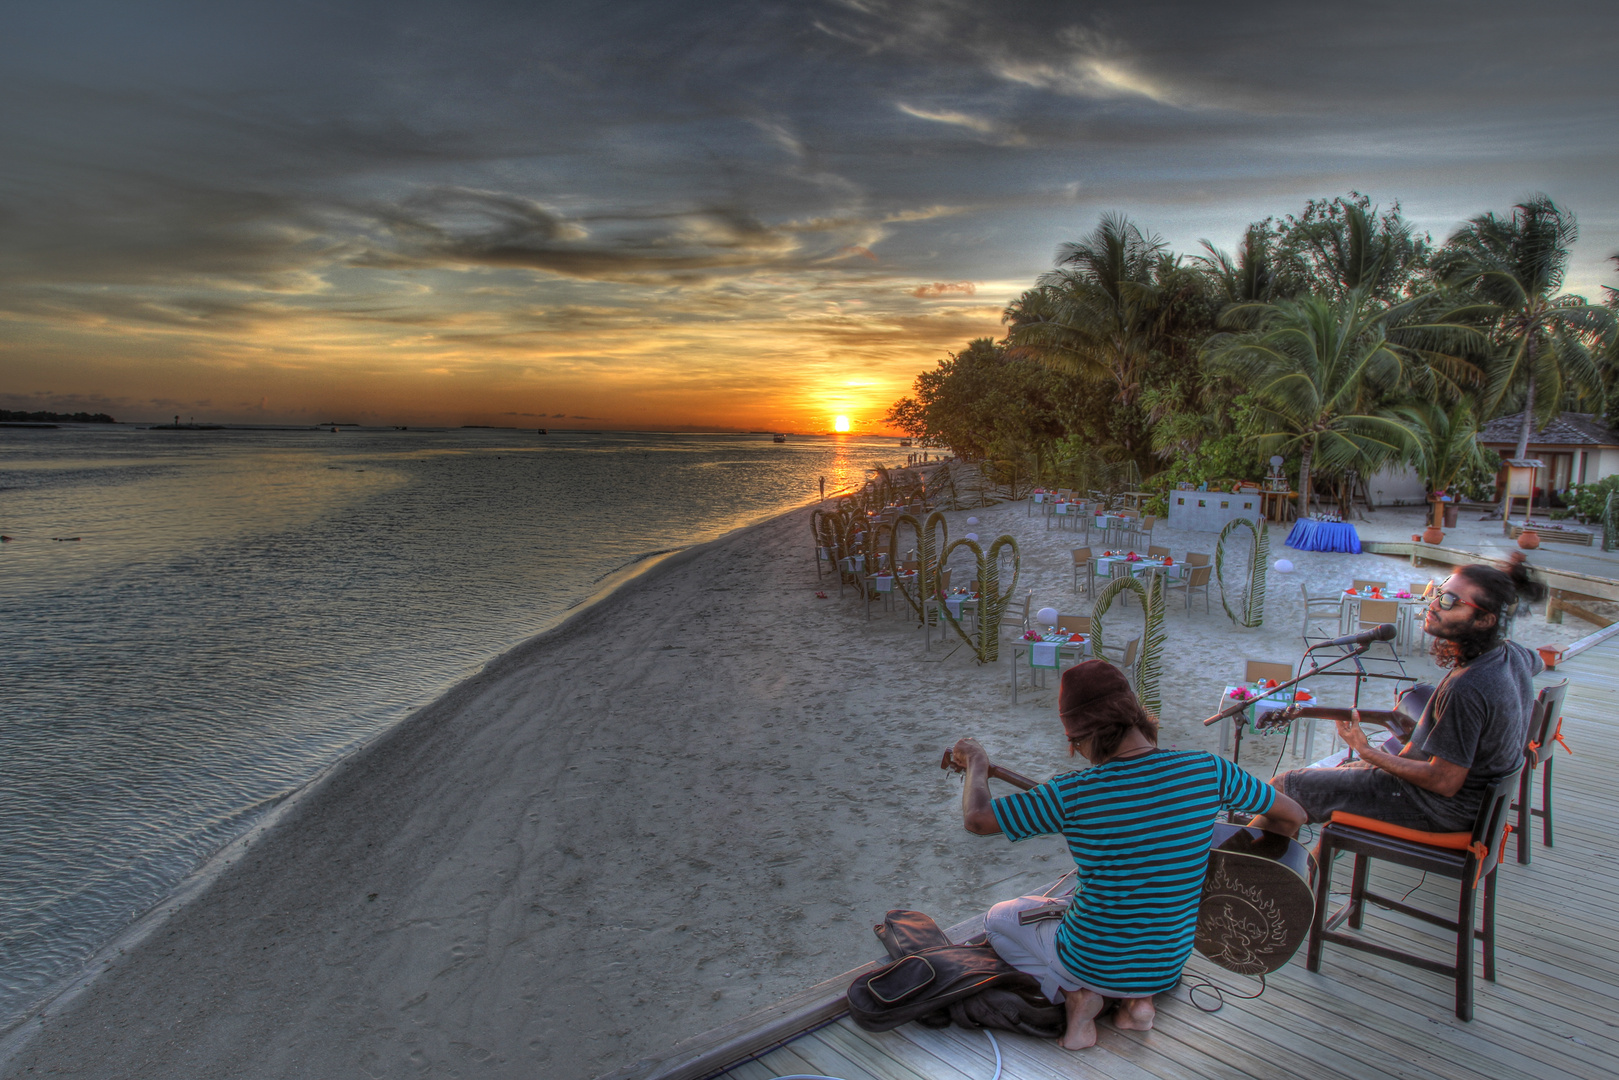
{"x": 840, "y": 424}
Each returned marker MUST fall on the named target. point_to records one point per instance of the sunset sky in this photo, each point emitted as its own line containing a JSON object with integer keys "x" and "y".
{"x": 663, "y": 215}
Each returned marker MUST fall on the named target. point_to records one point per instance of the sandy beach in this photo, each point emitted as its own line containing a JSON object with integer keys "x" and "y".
{"x": 688, "y": 801}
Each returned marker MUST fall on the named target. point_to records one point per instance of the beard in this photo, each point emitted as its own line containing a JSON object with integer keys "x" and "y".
{"x": 1465, "y": 646}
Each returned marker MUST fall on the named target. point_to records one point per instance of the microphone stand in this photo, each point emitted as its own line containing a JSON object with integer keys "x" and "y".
{"x": 1315, "y": 669}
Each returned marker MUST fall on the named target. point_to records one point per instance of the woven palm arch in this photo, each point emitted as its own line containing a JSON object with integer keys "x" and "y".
{"x": 1253, "y": 604}
{"x": 930, "y": 538}
{"x": 1152, "y": 634}
{"x": 993, "y": 601}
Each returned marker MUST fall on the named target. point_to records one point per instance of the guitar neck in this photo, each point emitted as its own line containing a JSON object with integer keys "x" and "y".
{"x": 1397, "y": 722}
{"x": 1017, "y": 780}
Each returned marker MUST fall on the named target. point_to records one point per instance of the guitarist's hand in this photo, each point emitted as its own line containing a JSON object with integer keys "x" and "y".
{"x": 977, "y": 815}
{"x": 967, "y": 752}
{"x": 1354, "y": 738}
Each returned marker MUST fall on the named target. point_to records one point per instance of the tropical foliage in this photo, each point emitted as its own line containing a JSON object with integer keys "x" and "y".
{"x": 1338, "y": 337}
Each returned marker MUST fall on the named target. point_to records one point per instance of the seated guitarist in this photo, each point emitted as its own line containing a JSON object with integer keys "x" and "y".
{"x": 1138, "y": 824}
{"x": 1472, "y": 733}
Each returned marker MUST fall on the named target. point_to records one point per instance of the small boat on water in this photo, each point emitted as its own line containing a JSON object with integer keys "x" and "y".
{"x": 905, "y": 442}
{"x": 779, "y": 437}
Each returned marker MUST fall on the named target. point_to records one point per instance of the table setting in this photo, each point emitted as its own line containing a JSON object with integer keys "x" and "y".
{"x": 1263, "y": 695}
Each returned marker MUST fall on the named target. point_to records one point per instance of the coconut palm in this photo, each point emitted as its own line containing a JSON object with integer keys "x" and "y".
{"x": 1512, "y": 268}
{"x": 1445, "y": 447}
{"x": 1098, "y": 313}
{"x": 1319, "y": 370}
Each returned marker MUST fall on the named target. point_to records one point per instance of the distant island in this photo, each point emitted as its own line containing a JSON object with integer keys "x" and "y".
{"x": 55, "y": 417}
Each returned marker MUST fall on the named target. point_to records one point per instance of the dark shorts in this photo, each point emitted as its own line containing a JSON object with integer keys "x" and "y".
{"x": 1368, "y": 791}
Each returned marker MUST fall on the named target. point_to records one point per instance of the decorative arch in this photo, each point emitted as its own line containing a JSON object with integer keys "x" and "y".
{"x": 1152, "y": 634}
{"x": 1253, "y": 607}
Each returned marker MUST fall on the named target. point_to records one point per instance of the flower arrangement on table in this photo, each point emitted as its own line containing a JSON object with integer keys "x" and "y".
{"x": 1403, "y": 594}
{"x": 1031, "y": 635}
{"x": 1132, "y": 557}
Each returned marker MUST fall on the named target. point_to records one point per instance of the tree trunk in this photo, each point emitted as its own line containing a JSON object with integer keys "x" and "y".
{"x": 1528, "y": 410}
{"x": 1304, "y": 482}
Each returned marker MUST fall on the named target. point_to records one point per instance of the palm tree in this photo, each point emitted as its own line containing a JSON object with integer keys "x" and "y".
{"x": 1318, "y": 370}
{"x": 1513, "y": 268}
{"x": 1097, "y": 313}
{"x": 1445, "y": 444}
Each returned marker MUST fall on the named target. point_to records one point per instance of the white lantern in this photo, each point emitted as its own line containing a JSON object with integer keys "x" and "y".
{"x": 972, "y": 521}
{"x": 1284, "y": 566}
{"x": 1047, "y": 615}
{"x": 972, "y": 536}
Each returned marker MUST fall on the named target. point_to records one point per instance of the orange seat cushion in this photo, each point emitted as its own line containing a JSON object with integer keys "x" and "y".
{"x": 1456, "y": 841}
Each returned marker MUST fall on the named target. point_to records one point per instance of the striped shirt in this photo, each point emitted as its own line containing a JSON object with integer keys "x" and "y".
{"x": 1139, "y": 831}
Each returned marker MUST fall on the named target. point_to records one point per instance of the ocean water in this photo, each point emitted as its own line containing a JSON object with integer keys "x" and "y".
{"x": 240, "y": 608}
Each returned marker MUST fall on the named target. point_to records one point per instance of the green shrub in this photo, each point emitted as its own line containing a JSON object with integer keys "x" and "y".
{"x": 1587, "y": 500}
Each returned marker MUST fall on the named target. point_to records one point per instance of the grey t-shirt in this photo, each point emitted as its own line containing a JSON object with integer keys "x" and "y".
{"x": 1478, "y": 718}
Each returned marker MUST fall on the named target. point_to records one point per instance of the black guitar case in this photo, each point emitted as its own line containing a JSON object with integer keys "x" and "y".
{"x": 935, "y": 983}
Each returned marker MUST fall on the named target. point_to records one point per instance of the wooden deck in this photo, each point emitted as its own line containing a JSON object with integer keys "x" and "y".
{"x": 1552, "y": 1013}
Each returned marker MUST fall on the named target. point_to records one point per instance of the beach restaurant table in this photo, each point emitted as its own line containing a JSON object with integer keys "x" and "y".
{"x": 1311, "y": 535}
{"x": 1068, "y": 511}
{"x": 1113, "y": 527}
{"x": 1144, "y": 565}
{"x": 1349, "y": 609}
{"x": 1259, "y": 700}
{"x": 1046, "y": 653}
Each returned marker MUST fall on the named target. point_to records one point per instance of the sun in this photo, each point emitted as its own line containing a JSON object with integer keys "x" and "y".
{"x": 840, "y": 423}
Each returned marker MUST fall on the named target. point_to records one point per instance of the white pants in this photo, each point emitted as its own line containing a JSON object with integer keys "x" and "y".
{"x": 1032, "y": 947}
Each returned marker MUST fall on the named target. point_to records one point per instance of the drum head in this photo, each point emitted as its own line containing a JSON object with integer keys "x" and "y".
{"x": 1254, "y": 914}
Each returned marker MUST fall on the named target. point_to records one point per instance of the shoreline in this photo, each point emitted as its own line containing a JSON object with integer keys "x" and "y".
{"x": 194, "y": 886}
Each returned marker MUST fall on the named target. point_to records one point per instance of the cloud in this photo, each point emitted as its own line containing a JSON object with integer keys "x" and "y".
{"x": 941, "y": 288}
{"x": 958, "y": 119}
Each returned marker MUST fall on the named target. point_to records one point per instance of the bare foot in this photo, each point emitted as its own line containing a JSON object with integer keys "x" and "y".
{"x": 1083, "y": 1005}
{"x": 1135, "y": 1014}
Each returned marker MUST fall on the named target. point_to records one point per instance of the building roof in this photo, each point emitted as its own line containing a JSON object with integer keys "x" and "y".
{"x": 1565, "y": 429}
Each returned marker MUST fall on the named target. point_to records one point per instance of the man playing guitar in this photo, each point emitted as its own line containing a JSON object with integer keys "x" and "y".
{"x": 1472, "y": 732}
{"x": 1138, "y": 824}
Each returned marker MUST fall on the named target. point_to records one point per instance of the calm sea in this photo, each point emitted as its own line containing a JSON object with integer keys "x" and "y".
{"x": 242, "y": 607}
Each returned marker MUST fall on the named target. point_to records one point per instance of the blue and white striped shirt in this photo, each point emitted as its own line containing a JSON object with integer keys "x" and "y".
{"x": 1139, "y": 831}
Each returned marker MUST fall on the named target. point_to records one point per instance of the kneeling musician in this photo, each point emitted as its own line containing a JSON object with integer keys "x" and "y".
{"x": 1138, "y": 824}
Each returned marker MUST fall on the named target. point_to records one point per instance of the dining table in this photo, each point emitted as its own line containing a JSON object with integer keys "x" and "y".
{"x": 1310, "y": 535}
{"x": 1350, "y": 599}
{"x": 1066, "y": 513}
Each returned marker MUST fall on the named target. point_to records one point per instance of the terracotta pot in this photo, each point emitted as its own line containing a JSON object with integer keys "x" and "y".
{"x": 1431, "y": 535}
{"x": 1529, "y": 539}
{"x": 1549, "y": 655}
{"x": 1416, "y": 536}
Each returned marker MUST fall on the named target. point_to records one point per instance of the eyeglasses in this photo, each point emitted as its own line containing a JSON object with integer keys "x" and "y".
{"x": 1448, "y": 600}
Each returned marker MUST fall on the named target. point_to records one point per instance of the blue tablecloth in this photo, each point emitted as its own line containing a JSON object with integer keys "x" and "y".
{"x": 1310, "y": 535}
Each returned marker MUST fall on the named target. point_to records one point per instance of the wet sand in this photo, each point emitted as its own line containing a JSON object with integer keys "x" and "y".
{"x": 689, "y": 801}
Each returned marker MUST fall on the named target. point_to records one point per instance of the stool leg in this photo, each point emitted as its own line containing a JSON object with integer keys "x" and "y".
{"x": 1323, "y": 894}
{"x": 1546, "y": 802}
{"x": 1526, "y": 817}
{"x": 1357, "y": 891}
{"x": 1488, "y": 930}
{"x": 1464, "y": 947}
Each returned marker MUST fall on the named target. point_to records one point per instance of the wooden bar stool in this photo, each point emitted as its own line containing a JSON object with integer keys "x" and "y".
{"x": 1466, "y": 857}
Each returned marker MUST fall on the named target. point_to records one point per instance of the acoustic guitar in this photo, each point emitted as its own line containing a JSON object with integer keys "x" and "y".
{"x": 1257, "y": 900}
{"x": 1401, "y": 721}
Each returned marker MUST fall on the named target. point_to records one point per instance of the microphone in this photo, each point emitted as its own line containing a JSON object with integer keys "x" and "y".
{"x": 1385, "y": 632}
